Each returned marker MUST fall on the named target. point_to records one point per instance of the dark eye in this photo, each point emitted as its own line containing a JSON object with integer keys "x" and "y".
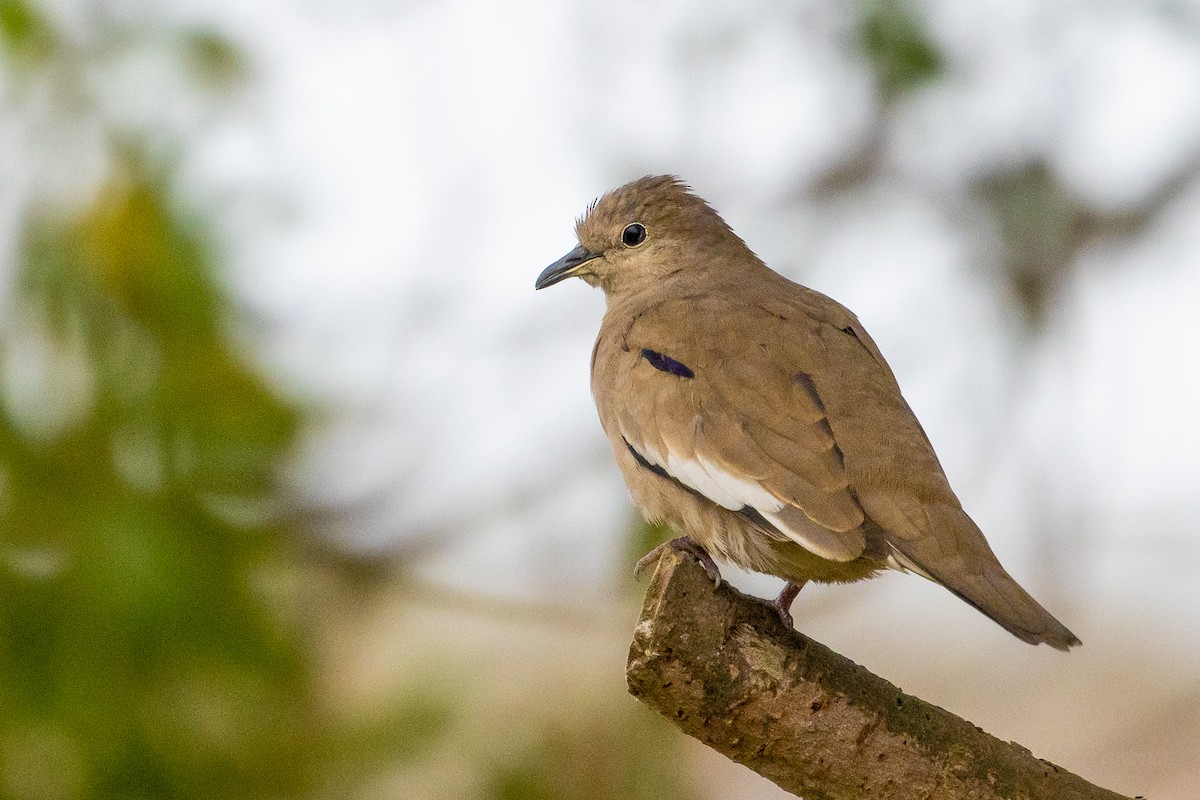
{"x": 634, "y": 234}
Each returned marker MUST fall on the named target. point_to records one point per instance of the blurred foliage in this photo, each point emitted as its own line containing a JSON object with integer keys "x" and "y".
{"x": 900, "y": 50}
{"x": 1043, "y": 227}
{"x": 154, "y": 604}
{"x": 213, "y": 59}
{"x": 1040, "y": 226}
{"x": 24, "y": 33}
{"x": 407, "y": 731}
{"x": 611, "y": 752}
{"x": 141, "y": 652}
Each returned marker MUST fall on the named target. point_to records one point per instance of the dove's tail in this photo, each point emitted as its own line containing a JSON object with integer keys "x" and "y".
{"x": 975, "y": 574}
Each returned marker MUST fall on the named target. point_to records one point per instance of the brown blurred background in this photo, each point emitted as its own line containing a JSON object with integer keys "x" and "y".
{"x": 301, "y": 489}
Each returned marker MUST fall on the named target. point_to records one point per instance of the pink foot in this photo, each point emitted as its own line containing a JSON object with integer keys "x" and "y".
{"x": 682, "y": 544}
{"x": 783, "y": 603}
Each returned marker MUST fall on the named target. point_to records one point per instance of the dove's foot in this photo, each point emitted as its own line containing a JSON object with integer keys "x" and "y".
{"x": 682, "y": 544}
{"x": 783, "y": 603}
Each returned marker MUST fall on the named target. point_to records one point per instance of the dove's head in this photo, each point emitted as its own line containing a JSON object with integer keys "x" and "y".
{"x": 647, "y": 232}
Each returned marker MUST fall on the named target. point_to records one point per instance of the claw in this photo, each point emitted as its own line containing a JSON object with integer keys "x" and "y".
{"x": 647, "y": 560}
{"x": 783, "y": 603}
{"x": 681, "y": 544}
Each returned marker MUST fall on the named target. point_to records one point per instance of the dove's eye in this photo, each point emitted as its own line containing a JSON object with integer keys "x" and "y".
{"x": 634, "y": 234}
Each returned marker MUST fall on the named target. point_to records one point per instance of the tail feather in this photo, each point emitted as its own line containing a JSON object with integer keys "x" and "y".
{"x": 971, "y": 571}
{"x": 1003, "y": 600}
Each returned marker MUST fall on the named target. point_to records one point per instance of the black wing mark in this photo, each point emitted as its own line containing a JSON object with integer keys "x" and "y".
{"x": 666, "y": 363}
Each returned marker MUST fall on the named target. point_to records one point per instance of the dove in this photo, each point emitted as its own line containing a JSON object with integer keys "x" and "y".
{"x": 757, "y": 418}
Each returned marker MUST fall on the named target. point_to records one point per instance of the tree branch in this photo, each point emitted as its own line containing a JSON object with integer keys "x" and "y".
{"x": 722, "y": 668}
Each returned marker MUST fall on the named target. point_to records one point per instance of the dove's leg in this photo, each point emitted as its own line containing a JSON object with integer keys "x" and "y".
{"x": 683, "y": 544}
{"x": 783, "y": 603}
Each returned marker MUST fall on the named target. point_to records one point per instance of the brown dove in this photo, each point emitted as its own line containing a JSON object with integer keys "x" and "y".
{"x": 757, "y": 418}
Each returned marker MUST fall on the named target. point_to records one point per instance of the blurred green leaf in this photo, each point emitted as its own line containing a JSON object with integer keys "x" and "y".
{"x": 24, "y": 34}
{"x": 900, "y": 51}
{"x": 213, "y": 59}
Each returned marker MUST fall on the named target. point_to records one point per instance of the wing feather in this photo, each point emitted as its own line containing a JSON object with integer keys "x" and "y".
{"x": 744, "y": 431}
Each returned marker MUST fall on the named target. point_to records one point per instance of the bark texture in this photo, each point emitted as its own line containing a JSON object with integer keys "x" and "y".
{"x": 722, "y": 668}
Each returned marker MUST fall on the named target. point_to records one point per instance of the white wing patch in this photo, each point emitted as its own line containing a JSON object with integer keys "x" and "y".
{"x": 709, "y": 479}
{"x": 835, "y": 546}
{"x": 729, "y": 491}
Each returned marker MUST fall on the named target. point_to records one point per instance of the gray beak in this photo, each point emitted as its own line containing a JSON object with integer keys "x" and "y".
{"x": 564, "y": 268}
